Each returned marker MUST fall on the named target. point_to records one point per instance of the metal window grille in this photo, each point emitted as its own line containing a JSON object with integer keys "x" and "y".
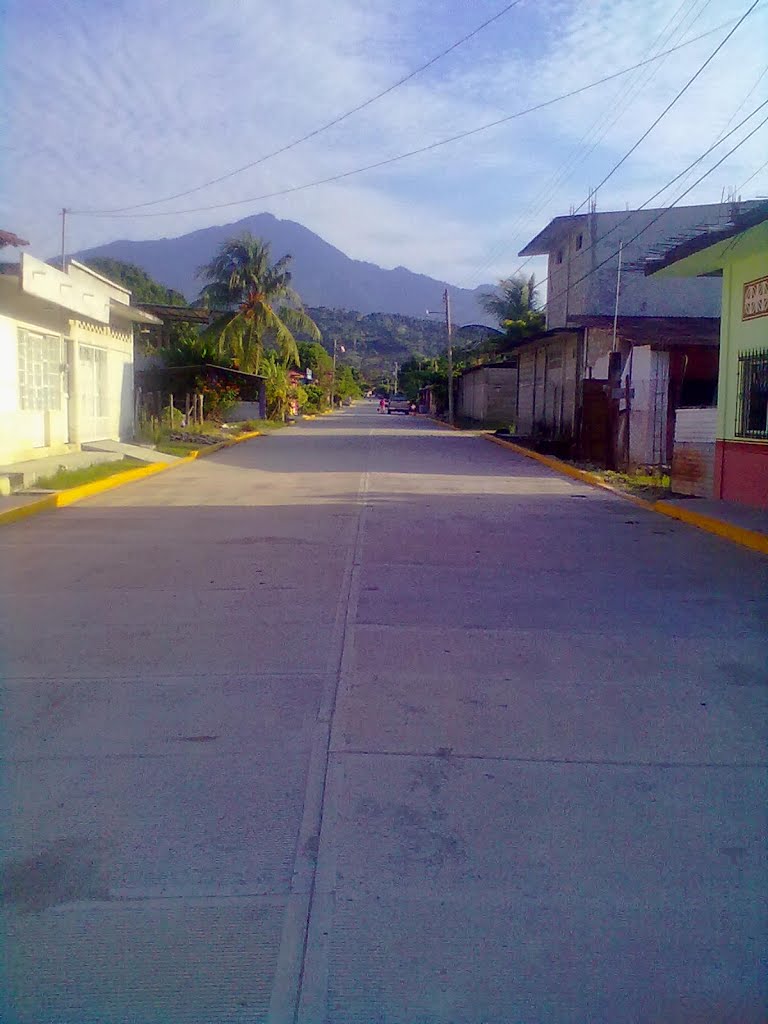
{"x": 752, "y": 404}
{"x": 40, "y": 366}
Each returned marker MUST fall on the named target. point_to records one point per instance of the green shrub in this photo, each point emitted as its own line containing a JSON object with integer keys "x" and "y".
{"x": 219, "y": 397}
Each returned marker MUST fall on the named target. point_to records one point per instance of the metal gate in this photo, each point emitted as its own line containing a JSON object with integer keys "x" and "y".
{"x": 596, "y": 441}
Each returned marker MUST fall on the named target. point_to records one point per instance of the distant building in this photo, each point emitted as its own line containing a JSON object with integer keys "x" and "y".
{"x": 735, "y": 259}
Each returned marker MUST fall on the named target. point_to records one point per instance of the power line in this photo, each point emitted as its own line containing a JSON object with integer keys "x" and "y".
{"x": 414, "y": 152}
{"x": 735, "y": 114}
{"x": 681, "y": 174}
{"x": 754, "y": 175}
{"x": 624, "y": 96}
{"x": 663, "y": 114}
{"x": 664, "y": 211}
{"x": 672, "y": 102}
{"x": 324, "y": 127}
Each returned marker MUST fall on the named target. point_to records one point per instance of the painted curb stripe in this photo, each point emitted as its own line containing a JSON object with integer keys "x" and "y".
{"x": 68, "y": 497}
{"x": 736, "y": 534}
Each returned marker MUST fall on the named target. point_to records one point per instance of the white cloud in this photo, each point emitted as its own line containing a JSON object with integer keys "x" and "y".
{"x": 114, "y": 104}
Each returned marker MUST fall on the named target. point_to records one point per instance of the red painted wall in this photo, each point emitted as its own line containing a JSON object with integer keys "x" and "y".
{"x": 741, "y": 472}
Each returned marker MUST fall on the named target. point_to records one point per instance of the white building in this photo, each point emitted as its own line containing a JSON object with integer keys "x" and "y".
{"x": 66, "y": 360}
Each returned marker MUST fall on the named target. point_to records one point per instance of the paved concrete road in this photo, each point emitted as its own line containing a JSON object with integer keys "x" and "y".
{"x": 370, "y": 721}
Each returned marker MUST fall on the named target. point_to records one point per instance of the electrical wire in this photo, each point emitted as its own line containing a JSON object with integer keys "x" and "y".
{"x": 663, "y": 114}
{"x": 324, "y": 127}
{"x": 403, "y": 156}
{"x": 754, "y": 175}
{"x": 672, "y": 102}
{"x": 661, "y": 213}
{"x": 619, "y": 104}
{"x": 672, "y": 181}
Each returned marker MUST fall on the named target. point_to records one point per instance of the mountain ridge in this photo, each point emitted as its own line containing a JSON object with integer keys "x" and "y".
{"x": 322, "y": 274}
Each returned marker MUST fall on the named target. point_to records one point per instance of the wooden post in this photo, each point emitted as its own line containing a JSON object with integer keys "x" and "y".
{"x": 170, "y": 409}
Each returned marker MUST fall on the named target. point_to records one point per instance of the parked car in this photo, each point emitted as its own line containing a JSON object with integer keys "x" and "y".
{"x": 399, "y": 403}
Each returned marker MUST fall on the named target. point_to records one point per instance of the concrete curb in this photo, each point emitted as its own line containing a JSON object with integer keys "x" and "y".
{"x": 442, "y": 423}
{"x": 728, "y": 531}
{"x": 68, "y": 497}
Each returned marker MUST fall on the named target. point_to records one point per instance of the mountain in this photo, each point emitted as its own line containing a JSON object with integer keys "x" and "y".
{"x": 322, "y": 274}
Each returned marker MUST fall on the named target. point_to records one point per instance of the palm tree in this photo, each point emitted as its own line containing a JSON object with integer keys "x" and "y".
{"x": 261, "y": 306}
{"x": 516, "y": 298}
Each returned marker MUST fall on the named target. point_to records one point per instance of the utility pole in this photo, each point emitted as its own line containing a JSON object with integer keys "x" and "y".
{"x": 333, "y": 376}
{"x": 449, "y": 331}
{"x": 616, "y": 305}
{"x": 64, "y": 213}
{"x": 397, "y": 374}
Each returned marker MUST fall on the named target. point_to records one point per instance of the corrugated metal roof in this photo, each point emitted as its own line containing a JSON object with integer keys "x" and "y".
{"x": 697, "y": 241}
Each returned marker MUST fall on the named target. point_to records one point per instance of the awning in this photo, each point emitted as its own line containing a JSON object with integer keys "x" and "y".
{"x": 136, "y": 316}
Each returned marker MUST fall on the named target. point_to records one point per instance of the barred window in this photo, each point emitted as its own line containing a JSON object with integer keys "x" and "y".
{"x": 752, "y": 407}
{"x": 40, "y": 384}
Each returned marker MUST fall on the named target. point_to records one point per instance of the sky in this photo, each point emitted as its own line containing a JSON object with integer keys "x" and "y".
{"x": 110, "y": 103}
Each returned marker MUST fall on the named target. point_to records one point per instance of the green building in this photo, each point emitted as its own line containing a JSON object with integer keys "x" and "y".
{"x": 739, "y": 254}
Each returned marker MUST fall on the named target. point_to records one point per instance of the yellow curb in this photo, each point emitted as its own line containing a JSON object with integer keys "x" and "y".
{"x": 72, "y": 494}
{"x": 728, "y": 531}
{"x": 12, "y": 515}
{"x": 228, "y": 443}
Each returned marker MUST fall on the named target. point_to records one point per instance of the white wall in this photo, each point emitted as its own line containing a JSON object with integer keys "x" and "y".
{"x": 26, "y": 433}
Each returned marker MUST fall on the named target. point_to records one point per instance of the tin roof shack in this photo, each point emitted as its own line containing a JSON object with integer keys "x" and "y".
{"x": 156, "y": 384}
{"x": 487, "y": 394}
{"x": 738, "y": 255}
{"x": 578, "y": 395}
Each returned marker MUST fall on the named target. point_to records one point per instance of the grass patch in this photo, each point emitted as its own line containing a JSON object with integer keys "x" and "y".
{"x": 652, "y": 486}
{"x": 63, "y": 479}
{"x": 265, "y": 425}
{"x": 180, "y": 448}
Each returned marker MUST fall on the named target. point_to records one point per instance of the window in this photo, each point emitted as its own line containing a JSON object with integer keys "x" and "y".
{"x": 752, "y": 402}
{"x": 39, "y": 371}
{"x": 559, "y": 255}
{"x": 579, "y": 241}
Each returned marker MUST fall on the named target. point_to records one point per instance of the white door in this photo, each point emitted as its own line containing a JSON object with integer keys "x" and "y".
{"x": 92, "y": 374}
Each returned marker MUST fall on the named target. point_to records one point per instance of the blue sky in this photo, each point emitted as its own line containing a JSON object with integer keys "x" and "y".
{"x": 109, "y": 103}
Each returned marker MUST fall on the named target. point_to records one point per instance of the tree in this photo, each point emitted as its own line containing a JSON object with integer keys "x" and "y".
{"x": 346, "y": 385}
{"x": 261, "y": 306}
{"x": 142, "y": 287}
{"x": 517, "y": 307}
{"x": 188, "y": 348}
{"x": 514, "y": 299}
